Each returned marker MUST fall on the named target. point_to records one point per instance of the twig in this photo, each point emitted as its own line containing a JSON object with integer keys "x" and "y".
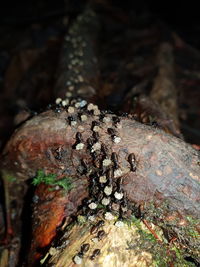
{"x": 152, "y": 231}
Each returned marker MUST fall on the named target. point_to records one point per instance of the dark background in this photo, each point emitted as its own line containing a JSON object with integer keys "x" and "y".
{"x": 28, "y": 24}
{"x": 182, "y": 16}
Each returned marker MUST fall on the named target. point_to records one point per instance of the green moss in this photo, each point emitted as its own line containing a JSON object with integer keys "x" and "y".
{"x": 190, "y": 230}
{"x": 163, "y": 253}
{"x": 186, "y": 235}
{"x": 131, "y": 221}
{"x": 192, "y": 221}
{"x": 51, "y": 179}
{"x": 9, "y": 177}
{"x": 135, "y": 221}
{"x": 81, "y": 219}
{"x": 65, "y": 183}
{"x": 100, "y": 206}
{"x": 42, "y": 178}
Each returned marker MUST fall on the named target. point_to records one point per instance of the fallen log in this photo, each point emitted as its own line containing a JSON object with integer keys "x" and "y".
{"x": 159, "y": 173}
{"x": 78, "y": 73}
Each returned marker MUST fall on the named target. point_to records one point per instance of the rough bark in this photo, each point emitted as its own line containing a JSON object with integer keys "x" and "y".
{"x": 164, "y": 90}
{"x": 166, "y": 176}
{"x": 78, "y": 74}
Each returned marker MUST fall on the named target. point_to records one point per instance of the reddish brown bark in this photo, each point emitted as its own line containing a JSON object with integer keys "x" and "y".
{"x": 53, "y": 207}
{"x": 167, "y": 168}
{"x": 32, "y": 147}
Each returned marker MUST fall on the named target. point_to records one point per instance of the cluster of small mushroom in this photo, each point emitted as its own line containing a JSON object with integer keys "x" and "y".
{"x": 77, "y": 62}
{"x": 79, "y": 112}
{"x": 99, "y": 234}
{"x": 106, "y": 196}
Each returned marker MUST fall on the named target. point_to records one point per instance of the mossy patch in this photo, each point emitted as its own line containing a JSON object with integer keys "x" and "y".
{"x": 81, "y": 219}
{"x": 9, "y": 177}
{"x": 51, "y": 179}
{"x": 186, "y": 235}
{"x": 163, "y": 253}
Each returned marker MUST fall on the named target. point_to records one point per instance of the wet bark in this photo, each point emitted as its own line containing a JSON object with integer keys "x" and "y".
{"x": 78, "y": 73}
{"x": 167, "y": 171}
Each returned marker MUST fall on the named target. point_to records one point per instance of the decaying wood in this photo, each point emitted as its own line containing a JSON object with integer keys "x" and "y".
{"x": 30, "y": 149}
{"x": 78, "y": 74}
{"x": 167, "y": 170}
{"x": 164, "y": 89}
{"x": 119, "y": 247}
{"x": 157, "y": 220}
